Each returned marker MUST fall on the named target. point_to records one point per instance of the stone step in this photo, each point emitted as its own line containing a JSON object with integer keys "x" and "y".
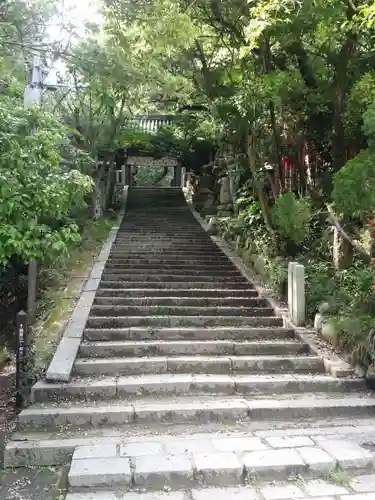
{"x": 56, "y": 448}
{"x": 178, "y": 261}
{"x": 178, "y": 277}
{"x": 187, "y": 409}
{"x": 190, "y": 347}
{"x": 178, "y": 271}
{"x": 189, "y": 333}
{"x": 172, "y": 264}
{"x": 361, "y": 487}
{"x": 158, "y": 310}
{"x": 181, "y": 321}
{"x": 222, "y": 461}
{"x": 177, "y": 293}
{"x": 248, "y": 302}
{"x": 198, "y": 364}
{"x": 186, "y": 253}
{"x": 194, "y": 285}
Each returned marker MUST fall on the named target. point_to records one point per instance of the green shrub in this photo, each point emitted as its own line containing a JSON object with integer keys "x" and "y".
{"x": 292, "y": 217}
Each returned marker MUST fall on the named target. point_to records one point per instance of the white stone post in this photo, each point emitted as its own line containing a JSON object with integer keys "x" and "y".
{"x": 291, "y": 267}
{"x": 299, "y": 312}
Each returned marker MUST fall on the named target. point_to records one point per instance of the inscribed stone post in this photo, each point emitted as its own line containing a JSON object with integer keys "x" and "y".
{"x": 299, "y": 295}
{"x": 291, "y": 267}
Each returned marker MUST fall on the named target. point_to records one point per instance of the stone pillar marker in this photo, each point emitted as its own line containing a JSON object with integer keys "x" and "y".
{"x": 291, "y": 267}
{"x": 299, "y": 313}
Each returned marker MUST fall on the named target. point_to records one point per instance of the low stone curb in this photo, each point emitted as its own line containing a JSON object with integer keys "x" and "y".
{"x": 335, "y": 366}
{"x": 62, "y": 363}
{"x": 219, "y": 461}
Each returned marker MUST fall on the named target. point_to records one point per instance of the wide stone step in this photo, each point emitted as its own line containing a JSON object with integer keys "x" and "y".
{"x": 177, "y": 277}
{"x": 159, "y": 310}
{"x": 172, "y": 264}
{"x": 181, "y": 293}
{"x": 189, "y": 409}
{"x": 178, "y": 271}
{"x": 189, "y": 333}
{"x": 171, "y": 260}
{"x": 190, "y": 347}
{"x": 54, "y": 448}
{"x": 181, "y": 321}
{"x": 177, "y": 285}
{"x": 221, "y": 461}
{"x": 199, "y": 364}
{"x": 181, "y": 301}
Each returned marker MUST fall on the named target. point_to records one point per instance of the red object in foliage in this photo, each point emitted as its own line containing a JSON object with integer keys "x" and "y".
{"x": 287, "y": 163}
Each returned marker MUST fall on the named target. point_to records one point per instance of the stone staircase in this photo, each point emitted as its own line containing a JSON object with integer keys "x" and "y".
{"x": 185, "y": 375}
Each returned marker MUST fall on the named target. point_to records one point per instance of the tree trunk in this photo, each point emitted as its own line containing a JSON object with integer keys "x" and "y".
{"x": 251, "y": 154}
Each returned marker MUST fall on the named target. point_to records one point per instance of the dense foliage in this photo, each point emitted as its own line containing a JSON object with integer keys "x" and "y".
{"x": 279, "y": 96}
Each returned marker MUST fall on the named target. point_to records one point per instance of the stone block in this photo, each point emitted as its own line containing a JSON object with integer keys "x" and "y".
{"x": 62, "y": 362}
{"x": 274, "y": 464}
{"x": 171, "y": 383}
{"x": 157, "y": 471}
{"x": 172, "y": 495}
{"x": 349, "y": 455}
{"x": 317, "y": 459}
{"x": 140, "y": 449}
{"x": 289, "y": 441}
{"x": 97, "y": 270}
{"x": 100, "y": 472}
{"x": 221, "y": 469}
{"x": 97, "y": 495}
{"x": 203, "y": 364}
{"x": 241, "y": 493}
{"x": 92, "y": 285}
{"x": 238, "y": 444}
{"x": 95, "y": 451}
{"x": 320, "y": 488}
{"x": 364, "y": 483}
{"x": 215, "y": 383}
{"x": 86, "y": 299}
{"x": 358, "y": 496}
{"x": 189, "y": 445}
{"x": 286, "y": 491}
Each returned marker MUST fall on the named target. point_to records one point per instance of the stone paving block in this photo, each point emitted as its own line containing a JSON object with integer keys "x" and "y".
{"x": 215, "y": 383}
{"x": 100, "y": 472}
{"x": 62, "y": 362}
{"x": 203, "y": 364}
{"x": 98, "y": 495}
{"x": 317, "y": 459}
{"x": 359, "y": 496}
{"x": 286, "y": 491}
{"x": 289, "y": 441}
{"x": 95, "y": 451}
{"x": 320, "y": 488}
{"x": 221, "y": 469}
{"x": 274, "y": 463}
{"x": 190, "y": 445}
{"x": 172, "y": 495}
{"x": 86, "y": 299}
{"x": 148, "y": 384}
{"x": 364, "y": 483}
{"x": 348, "y": 454}
{"x": 241, "y": 493}
{"x": 140, "y": 449}
{"x": 158, "y": 471}
{"x": 92, "y": 285}
{"x": 238, "y": 444}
